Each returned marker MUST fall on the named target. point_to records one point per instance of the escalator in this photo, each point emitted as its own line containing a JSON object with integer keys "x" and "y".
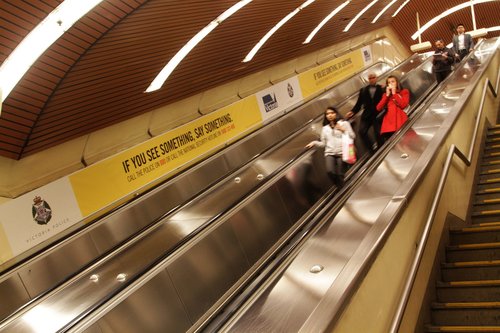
{"x": 308, "y": 291}
{"x": 24, "y": 280}
{"x": 234, "y": 238}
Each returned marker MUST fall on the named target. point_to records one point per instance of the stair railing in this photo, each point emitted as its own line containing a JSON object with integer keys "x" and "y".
{"x": 467, "y": 160}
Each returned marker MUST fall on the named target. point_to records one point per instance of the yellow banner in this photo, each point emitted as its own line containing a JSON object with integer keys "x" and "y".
{"x": 110, "y": 180}
{"x": 327, "y": 74}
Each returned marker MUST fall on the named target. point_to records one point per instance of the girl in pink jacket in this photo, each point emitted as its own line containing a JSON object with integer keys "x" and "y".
{"x": 395, "y": 100}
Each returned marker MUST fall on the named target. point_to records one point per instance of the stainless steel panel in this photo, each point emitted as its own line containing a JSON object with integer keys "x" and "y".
{"x": 51, "y": 314}
{"x": 155, "y": 307}
{"x": 243, "y": 151}
{"x": 303, "y": 185}
{"x": 13, "y": 295}
{"x": 124, "y": 223}
{"x": 260, "y": 223}
{"x": 206, "y": 173}
{"x": 207, "y": 270}
{"x": 41, "y": 275}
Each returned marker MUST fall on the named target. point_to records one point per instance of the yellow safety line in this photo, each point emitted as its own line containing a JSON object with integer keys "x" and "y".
{"x": 473, "y": 283}
{"x": 491, "y": 200}
{"x": 471, "y": 329}
{"x": 492, "y": 189}
{"x": 489, "y": 224}
{"x": 478, "y": 245}
{"x": 475, "y": 263}
{"x": 472, "y": 304}
{"x": 489, "y": 212}
{"x": 481, "y": 229}
{"x": 490, "y": 163}
{"x": 492, "y": 180}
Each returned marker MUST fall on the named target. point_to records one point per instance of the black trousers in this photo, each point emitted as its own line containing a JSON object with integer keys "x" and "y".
{"x": 364, "y": 128}
{"x": 463, "y": 53}
{"x": 336, "y": 169}
{"x": 440, "y": 76}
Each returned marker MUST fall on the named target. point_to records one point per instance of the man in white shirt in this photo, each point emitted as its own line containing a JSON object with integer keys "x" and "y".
{"x": 462, "y": 43}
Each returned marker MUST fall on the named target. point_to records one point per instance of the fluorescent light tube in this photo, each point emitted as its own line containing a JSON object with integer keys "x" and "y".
{"x": 325, "y": 20}
{"x": 160, "y": 79}
{"x": 359, "y": 15}
{"x": 39, "y": 40}
{"x": 264, "y": 39}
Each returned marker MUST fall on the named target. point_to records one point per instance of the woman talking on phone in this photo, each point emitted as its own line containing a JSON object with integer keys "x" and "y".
{"x": 395, "y": 100}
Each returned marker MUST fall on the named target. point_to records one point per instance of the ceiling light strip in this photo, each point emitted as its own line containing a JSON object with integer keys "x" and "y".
{"x": 444, "y": 14}
{"x": 383, "y": 11}
{"x": 325, "y": 20}
{"x": 39, "y": 40}
{"x": 160, "y": 79}
{"x": 264, "y": 39}
{"x": 400, "y": 7}
{"x": 359, "y": 15}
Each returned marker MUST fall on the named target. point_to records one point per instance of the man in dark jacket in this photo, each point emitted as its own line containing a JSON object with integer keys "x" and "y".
{"x": 368, "y": 98}
{"x": 462, "y": 43}
{"x": 442, "y": 60}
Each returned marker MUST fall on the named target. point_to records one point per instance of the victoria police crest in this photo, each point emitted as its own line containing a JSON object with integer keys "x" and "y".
{"x": 41, "y": 211}
{"x": 290, "y": 90}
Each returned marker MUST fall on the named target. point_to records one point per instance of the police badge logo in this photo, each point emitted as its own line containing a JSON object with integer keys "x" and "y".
{"x": 41, "y": 211}
{"x": 290, "y": 90}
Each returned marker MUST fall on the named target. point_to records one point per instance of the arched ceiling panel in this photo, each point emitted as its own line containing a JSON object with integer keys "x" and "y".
{"x": 95, "y": 75}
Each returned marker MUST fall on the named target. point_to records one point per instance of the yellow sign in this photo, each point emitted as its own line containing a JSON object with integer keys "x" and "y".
{"x": 321, "y": 77}
{"x": 110, "y": 180}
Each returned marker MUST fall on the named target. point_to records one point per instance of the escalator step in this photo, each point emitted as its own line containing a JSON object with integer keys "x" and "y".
{"x": 480, "y": 233}
{"x": 492, "y": 190}
{"x": 471, "y": 270}
{"x": 478, "y": 263}
{"x": 478, "y": 227}
{"x": 463, "y": 329}
{"x": 474, "y": 251}
{"x": 490, "y": 171}
{"x": 489, "y": 181}
{"x": 468, "y": 291}
{"x": 486, "y": 212}
{"x": 466, "y": 313}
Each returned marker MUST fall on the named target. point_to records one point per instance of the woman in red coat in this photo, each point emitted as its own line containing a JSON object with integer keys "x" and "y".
{"x": 395, "y": 99}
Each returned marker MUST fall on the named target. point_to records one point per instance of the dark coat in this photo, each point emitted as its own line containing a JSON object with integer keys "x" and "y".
{"x": 368, "y": 103}
{"x": 395, "y": 117}
{"x": 443, "y": 63}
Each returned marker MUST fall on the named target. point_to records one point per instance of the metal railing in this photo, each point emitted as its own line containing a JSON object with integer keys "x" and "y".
{"x": 454, "y": 150}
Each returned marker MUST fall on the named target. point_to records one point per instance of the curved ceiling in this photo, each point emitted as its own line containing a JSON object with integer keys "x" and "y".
{"x": 95, "y": 75}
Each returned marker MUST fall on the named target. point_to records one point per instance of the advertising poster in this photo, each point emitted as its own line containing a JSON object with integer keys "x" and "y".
{"x": 329, "y": 73}
{"x": 100, "y": 185}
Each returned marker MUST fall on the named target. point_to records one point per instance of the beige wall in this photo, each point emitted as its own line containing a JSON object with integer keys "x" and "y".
{"x": 44, "y": 167}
